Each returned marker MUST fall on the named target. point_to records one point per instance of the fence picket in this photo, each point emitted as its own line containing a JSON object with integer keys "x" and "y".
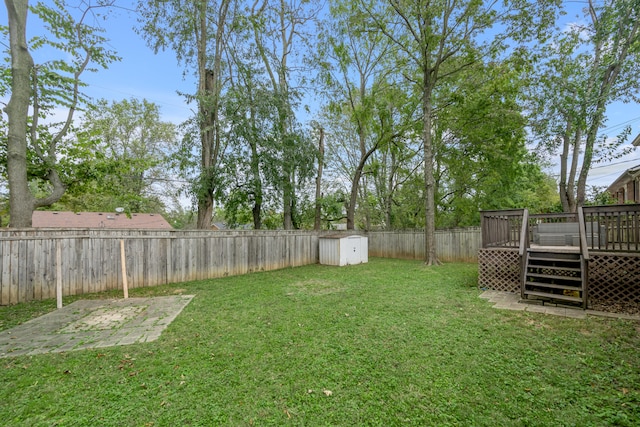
{"x": 91, "y": 257}
{"x": 451, "y": 245}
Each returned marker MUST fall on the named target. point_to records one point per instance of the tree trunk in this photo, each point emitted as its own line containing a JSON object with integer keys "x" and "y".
{"x": 355, "y": 182}
{"x": 367, "y": 208}
{"x": 209, "y": 88}
{"x": 430, "y": 257}
{"x": 256, "y": 180}
{"x": 354, "y": 185}
{"x": 256, "y": 211}
{"x": 592, "y": 134}
{"x": 287, "y": 200}
{"x": 21, "y": 201}
{"x": 567, "y": 188}
{"x": 207, "y": 140}
{"x": 205, "y": 212}
{"x": 317, "y": 223}
{"x": 388, "y": 200}
{"x": 564, "y": 157}
{"x": 353, "y": 197}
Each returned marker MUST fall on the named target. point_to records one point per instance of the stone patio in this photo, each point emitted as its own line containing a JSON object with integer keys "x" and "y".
{"x": 93, "y": 324}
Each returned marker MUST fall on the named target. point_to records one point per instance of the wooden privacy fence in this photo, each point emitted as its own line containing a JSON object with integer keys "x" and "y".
{"x": 91, "y": 259}
{"x": 459, "y": 244}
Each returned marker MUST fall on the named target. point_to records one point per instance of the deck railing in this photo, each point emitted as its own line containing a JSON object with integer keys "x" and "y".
{"x": 611, "y": 228}
{"x": 525, "y": 241}
{"x": 501, "y": 228}
{"x": 621, "y": 225}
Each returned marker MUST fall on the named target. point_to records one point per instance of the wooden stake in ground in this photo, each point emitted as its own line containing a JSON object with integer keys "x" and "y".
{"x": 123, "y": 262}
{"x": 58, "y": 275}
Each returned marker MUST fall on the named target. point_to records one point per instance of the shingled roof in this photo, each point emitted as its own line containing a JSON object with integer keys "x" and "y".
{"x": 626, "y": 188}
{"x": 53, "y": 219}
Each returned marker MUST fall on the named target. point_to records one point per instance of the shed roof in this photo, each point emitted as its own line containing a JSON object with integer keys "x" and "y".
{"x": 339, "y": 236}
{"x": 55, "y": 219}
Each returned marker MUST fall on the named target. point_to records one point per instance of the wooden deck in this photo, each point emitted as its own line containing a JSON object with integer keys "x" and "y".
{"x": 604, "y": 266}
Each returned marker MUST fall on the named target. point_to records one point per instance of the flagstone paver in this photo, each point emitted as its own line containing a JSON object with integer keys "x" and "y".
{"x": 93, "y": 324}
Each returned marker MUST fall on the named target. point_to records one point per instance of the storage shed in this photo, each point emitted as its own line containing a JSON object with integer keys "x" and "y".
{"x": 340, "y": 249}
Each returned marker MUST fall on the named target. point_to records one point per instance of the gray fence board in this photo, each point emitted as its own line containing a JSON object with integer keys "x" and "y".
{"x": 451, "y": 245}
{"x": 91, "y": 257}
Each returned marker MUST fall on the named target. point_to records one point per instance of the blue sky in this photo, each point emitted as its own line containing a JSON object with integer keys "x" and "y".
{"x": 141, "y": 73}
{"x": 158, "y": 78}
{"x": 619, "y": 116}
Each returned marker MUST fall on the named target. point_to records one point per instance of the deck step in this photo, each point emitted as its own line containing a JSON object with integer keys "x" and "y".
{"x": 549, "y": 259}
{"x": 552, "y": 254}
{"x": 553, "y": 296}
{"x": 551, "y": 275}
{"x": 554, "y": 277}
{"x": 555, "y": 268}
{"x": 554, "y": 286}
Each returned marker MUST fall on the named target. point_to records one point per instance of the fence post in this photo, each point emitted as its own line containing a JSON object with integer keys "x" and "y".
{"x": 123, "y": 262}
{"x": 58, "y": 275}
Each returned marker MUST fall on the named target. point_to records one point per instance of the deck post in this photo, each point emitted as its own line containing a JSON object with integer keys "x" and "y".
{"x": 523, "y": 249}
{"x": 584, "y": 253}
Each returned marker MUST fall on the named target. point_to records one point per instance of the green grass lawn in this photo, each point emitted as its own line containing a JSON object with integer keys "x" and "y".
{"x": 385, "y": 343}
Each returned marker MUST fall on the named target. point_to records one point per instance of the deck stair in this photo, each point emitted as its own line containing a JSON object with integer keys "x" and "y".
{"x": 557, "y": 276}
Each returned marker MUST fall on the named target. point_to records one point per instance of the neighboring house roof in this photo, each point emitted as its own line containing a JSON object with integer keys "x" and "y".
{"x": 54, "y": 219}
{"x": 636, "y": 141}
{"x": 625, "y": 177}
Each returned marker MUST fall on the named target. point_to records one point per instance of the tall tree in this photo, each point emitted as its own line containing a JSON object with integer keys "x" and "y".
{"x": 197, "y": 30}
{"x": 395, "y": 168}
{"x": 250, "y": 112}
{"x": 259, "y": 139}
{"x": 356, "y": 68}
{"x": 356, "y": 152}
{"x": 591, "y": 63}
{"x": 480, "y": 140}
{"x": 279, "y": 37}
{"x": 440, "y": 39}
{"x": 125, "y": 150}
{"x": 36, "y": 90}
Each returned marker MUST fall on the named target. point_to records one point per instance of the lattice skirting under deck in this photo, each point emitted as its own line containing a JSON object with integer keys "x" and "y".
{"x": 612, "y": 277}
{"x": 499, "y": 269}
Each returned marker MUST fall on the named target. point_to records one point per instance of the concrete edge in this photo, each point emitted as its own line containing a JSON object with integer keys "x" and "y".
{"x": 511, "y": 301}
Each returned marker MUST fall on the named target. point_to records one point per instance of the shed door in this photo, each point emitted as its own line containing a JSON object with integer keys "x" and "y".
{"x": 353, "y": 253}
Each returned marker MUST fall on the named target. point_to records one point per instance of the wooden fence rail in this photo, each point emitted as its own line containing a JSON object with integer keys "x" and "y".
{"x": 91, "y": 258}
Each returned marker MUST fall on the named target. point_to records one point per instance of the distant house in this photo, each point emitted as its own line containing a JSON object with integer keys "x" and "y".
{"x": 53, "y": 219}
{"x": 627, "y": 187}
